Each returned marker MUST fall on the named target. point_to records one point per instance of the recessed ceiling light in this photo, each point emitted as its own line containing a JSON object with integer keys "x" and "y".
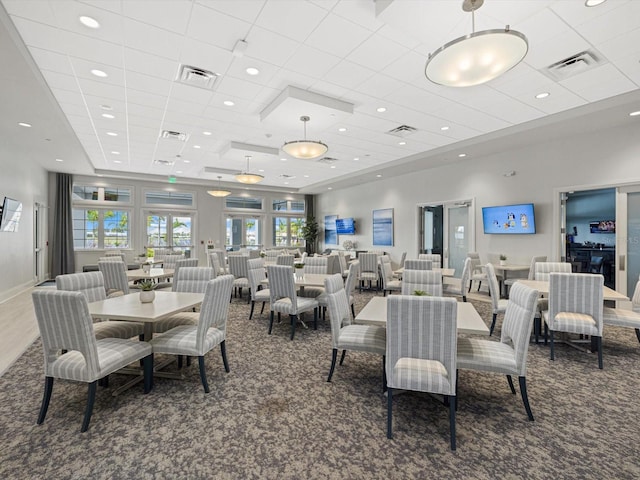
{"x": 462, "y": 155}
{"x": 402, "y": 143}
{"x": 89, "y": 22}
{"x": 106, "y": 107}
{"x": 381, "y": 109}
{"x": 252, "y": 71}
{"x": 23, "y": 124}
{"x": 379, "y": 176}
{"x": 59, "y": 160}
{"x": 329, "y": 188}
{"x": 228, "y": 103}
{"x": 355, "y": 159}
{"x": 286, "y": 183}
{"x": 115, "y": 153}
{"x": 333, "y": 166}
{"x": 112, "y": 134}
{"x": 186, "y": 161}
{"x": 207, "y": 133}
{"x": 117, "y": 161}
{"x": 342, "y": 129}
{"x": 99, "y": 73}
{"x": 196, "y": 146}
{"x": 306, "y": 176}
{"x": 593, "y": 3}
{"x": 634, "y": 114}
{"x": 178, "y": 171}
{"x": 108, "y": 115}
{"x": 261, "y": 170}
{"x": 283, "y": 159}
{"x": 542, "y": 95}
{"x": 444, "y": 129}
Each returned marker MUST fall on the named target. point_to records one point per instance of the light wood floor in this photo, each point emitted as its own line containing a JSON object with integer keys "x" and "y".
{"x": 18, "y": 326}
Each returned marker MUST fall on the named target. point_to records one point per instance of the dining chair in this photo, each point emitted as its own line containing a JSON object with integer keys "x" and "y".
{"x": 625, "y": 318}
{"x": 350, "y": 284}
{"x": 347, "y": 336}
{"x": 285, "y": 260}
{"x": 221, "y": 260}
{"x": 402, "y": 259}
{"x": 344, "y": 268}
{"x": 171, "y": 259}
{"x": 91, "y": 285}
{"x": 434, "y": 258}
{"x": 461, "y": 288}
{"x": 368, "y": 269}
{"x": 477, "y": 272}
{"x": 257, "y": 273}
{"x": 389, "y": 284}
{"x": 115, "y": 277}
{"x": 181, "y": 263}
{"x": 427, "y": 281}
{"x": 421, "y": 361}
{"x": 116, "y": 254}
{"x": 284, "y": 299}
{"x": 575, "y": 306}
{"x": 498, "y": 305}
{"x": 417, "y": 264}
{"x": 214, "y": 262}
{"x": 542, "y": 271}
{"x": 238, "y": 268}
{"x": 65, "y": 326}
{"x": 532, "y": 270}
{"x": 315, "y": 265}
{"x": 209, "y": 331}
{"x": 509, "y": 355}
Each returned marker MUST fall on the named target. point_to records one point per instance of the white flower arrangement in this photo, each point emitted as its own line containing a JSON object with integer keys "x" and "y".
{"x": 349, "y": 244}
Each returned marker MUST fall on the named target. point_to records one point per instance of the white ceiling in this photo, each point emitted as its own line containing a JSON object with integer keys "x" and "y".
{"x": 335, "y": 48}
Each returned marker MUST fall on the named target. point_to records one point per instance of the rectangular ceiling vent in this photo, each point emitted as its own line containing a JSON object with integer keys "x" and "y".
{"x": 171, "y": 135}
{"x": 196, "y": 77}
{"x": 286, "y": 176}
{"x": 402, "y": 131}
{"x": 163, "y": 163}
{"x": 327, "y": 160}
{"x": 573, "y": 65}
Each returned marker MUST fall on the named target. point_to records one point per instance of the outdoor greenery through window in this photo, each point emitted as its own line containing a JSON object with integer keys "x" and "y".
{"x": 100, "y": 228}
{"x": 243, "y": 232}
{"x": 173, "y": 230}
{"x": 287, "y": 232}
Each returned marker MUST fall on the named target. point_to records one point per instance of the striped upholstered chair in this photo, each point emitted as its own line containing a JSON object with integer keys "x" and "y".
{"x": 344, "y": 335}
{"x": 428, "y": 281}
{"x": 498, "y": 305}
{"x": 368, "y": 269}
{"x": 283, "y": 297}
{"x": 65, "y": 325}
{"x": 419, "y": 361}
{"x": 461, "y": 288}
{"x": 434, "y": 258}
{"x": 238, "y": 268}
{"x": 257, "y": 273}
{"x": 418, "y": 264}
{"x": 625, "y": 318}
{"x": 115, "y": 277}
{"x": 542, "y": 270}
{"x": 91, "y": 285}
{"x": 575, "y": 306}
{"x": 209, "y": 331}
{"x": 389, "y": 284}
{"x": 509, "y": 355}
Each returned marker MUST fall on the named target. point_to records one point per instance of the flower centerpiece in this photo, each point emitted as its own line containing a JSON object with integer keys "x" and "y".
{"x": 147, "y": 294}
{"x": 503, "y": 259}
{"x": 348, "y": 244}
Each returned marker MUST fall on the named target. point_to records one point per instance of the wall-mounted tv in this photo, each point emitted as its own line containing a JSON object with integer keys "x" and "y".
{"x": 514, "y": 219}
{"x": 345, "y": 226}
{"x": 10, "y": 217}
{"x": 603, "y": 226}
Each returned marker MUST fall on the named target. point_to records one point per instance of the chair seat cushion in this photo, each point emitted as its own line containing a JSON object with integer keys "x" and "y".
{"x": 113, "y": 354}
{"x": 393, "y": 285}
{"x": 284, "y": 305}
{"x": 262, "y": 295}
{"x": 502, "y": 306}
{"x": 368, "y": 276}
{"x": 117, "y": 329}
{"x": 182, "y": 318}
{"x": 485, "y": 355}
{"x": 311, "y": 292}
{"x": 241, "y": 282}
{"x": 572, "y": 322}
{"x": 181, "y": 340}
{"x": 421, "y": 375}
{"x": 112, "y": 293}
{"x": 364, "y": 338}
{"x": 620, "y": 317}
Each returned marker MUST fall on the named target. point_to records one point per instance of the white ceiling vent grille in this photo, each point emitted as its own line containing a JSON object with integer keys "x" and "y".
{"x": 327, "y": 160}
{"x": 196, "y": 77}
{"x": 171, "y": 135}
{"x": 163, "y": 163}
{"x": 286, "y": 176}
{"x": 402, "y": 131}
{"x": 573, "y": 65}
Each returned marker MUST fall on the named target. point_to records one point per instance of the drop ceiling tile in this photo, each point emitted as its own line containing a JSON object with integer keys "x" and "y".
{"x": 599, "y": 83}
{"x": 170, "y": 15}
{"x": 152, "y": 85}
{"x": 190, "y": 94}
{"x": 59, "y": 81}
{"x": 408, "y": 68}
{"x": 624, "y": 19}
{"x": 361, "y": 12}
{"x": 153, "y": 65}
{"x": 324, "y": 37}
{"x": 276, "y": 16}
{"x": 270, "y": 46}
{"x": 52, "y": 61}
{"x": 144, "y": 98}
{"x": 238, "y": 87}
{"x": 82, "y": 69}
{"x": 207, "y": 57}
{"x": 91, "y": 87}
{"x": 238, "y": 69}
{"x": 348, "y": 74}
{"x": 331, "y": 90}
{"x": 20, "y": 8}
{"x": 175, "y": 105}
{"x": 153, "y": 40}
{"x": 621, "y": 46}
{"x": 287, "y": 77}
{"x": 554, "y": 49}
{"x": 380, "y": 86}
{"x": 216, "y": 28}
{"x": 312, "y": 62}
{"x": 246, "y": 10}
{"x": 377, "y": 52}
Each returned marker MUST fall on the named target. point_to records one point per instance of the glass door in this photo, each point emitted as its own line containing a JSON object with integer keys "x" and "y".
{"x": 627, "y": 262}
{"x": 458, "y": 236}
{"x": 243, "y": 232}
{"x": 172, "y": 230}
{"x": 432, "y": 229}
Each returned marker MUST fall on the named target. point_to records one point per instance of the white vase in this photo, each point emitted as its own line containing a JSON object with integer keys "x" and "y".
{"x": 147, "y": 296}
{"x": 503, "y": 263}
{"x": 299, "y": 273}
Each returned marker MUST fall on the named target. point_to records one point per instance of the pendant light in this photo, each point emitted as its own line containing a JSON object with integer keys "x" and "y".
{"x": 305, "y": 149}
{"x": 247, "y": 177}
{"x": 219, "y": 192}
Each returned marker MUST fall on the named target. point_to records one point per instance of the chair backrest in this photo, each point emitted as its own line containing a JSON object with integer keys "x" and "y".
{"x": 303, "y": 257}
{"x": 160, "y": 253}
{"x": 171, "y": 260}
{"x": 285, "y": 260}
{"x": 117, "y": 254}
{"x": 635, "y": 300}
{"x": 273, "y": 254}
{"x": 111, "y": 258}
{"x": 282, "y": 285}
{"x": 221, "y": 257}
{"x": 428, "y": 281}
{"x": 352, "y": 278}
{"x": 90, "y": 284}
{"x": 473, "y": 255}
{"x": 518, "y": 318}
{"x": 413, "y": 264}
{"x": 215, "y": 307}
{"x": 338, "y": 303}
{"x": 402, "y": 259}
{"x": 543, "y": 269}
{"x": 255, "y": 263}
{"x": 368, "y": 262}
{"x": 192, "y": 279}
{"x": 183, "y": 262}
{"x": 494, "y": 286}
{"x": 436, "y": 259}
{"x": 576, "y": 293}
{"x": 254, "y": 253}
{"x": 422, "y": 328}
{"x": 386, "y": 272}
{"x": 238, "y": 266}
{"x": 595, "y": 265}
{"x": 256, "y": 276}
{"x": 532, "y": 267}
{"x": 466, "y": 274}
{"x": 65, "y": 324}
{"x": 115, "y": 276}
{"x": 316, "y": 265}
{"x": 214, "y": 262}
{"x": 342, "y": 260}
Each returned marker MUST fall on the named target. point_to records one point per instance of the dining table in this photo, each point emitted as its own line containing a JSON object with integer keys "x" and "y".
{"x": 151, "y": 274}
{"x": 468, "y": 318}
{"x": 503, "y": 271}
{"x": 446, "y": 272}
{"x": 543, "y": 288}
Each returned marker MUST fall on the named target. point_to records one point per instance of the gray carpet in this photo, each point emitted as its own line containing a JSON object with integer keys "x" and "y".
{"x": 275, "y": 416}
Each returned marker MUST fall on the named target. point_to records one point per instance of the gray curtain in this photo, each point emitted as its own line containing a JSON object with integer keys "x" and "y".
{"x": 62, "y": 259}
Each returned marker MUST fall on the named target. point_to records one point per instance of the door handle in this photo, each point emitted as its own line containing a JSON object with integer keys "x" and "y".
{"x": 621, "y": 262}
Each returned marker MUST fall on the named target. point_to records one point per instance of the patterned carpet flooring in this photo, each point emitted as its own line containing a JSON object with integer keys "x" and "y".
{"x": 275, "y": 416}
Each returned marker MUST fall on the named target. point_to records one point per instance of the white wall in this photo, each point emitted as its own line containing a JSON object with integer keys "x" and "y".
{"x": 26, "y": 182}
{"x": 609, "y": 157}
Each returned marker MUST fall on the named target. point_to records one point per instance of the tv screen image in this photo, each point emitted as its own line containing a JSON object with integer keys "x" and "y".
{"x": 603, "y": 226}
{"x": 11, "y": 211}
{"x": 345, "y": 226}
{"x": 509, "y": 219}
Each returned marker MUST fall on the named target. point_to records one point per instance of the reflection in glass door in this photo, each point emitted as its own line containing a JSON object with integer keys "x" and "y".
{"x": 243, "y": 232}
{"x": 458, "y": 236}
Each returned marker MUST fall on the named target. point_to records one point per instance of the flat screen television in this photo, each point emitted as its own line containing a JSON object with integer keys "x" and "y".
{"x": 509, "y": 219}
{"x": 603, "y": 226}
{"x": 345, "y": 226}
{"x": 10, "y": 218}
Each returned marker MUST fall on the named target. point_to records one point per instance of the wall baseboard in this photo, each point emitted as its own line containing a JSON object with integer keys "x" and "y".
{"x": 17, "y": 290}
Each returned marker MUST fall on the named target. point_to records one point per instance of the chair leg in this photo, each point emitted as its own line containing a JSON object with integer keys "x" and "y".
{"x": 513, "y": 390}
{"x": 479, "y": 284}
{"x": 638, "y": 333}
{"x": 262, "y": 309}
{"x": 470, "y": 285}
{"x": 344, "y": 352}
{"x": 452, "y": 420}
{"x": 599, "y": 342}
{"x": 384, "y": 373}
{"x": 525, "y": 397}
{"x": 389, "y": 409}
{"x": 353, "y": 313}
{"x": 464, "y": 298}
{"x": 546, "y": 333}
{"x": 294, "y": 320}
{"x": 253, "y": 304}
{"x": 249, "y": 296}
{"x": 48, "y": 388}
{"x": 223, "y": 351}
{"x": 148, "y": 373}
{"x": 384, "y": 293}
{"x": 552, "y": 352}
{"x": 179, "y": 362}
{"x": 315, "y": 318}
{"x": 334, "y": 355}
{"x": 91, "y": 398}
{"x": 536, "y": 329}
{"x": 203, "y": 374}
{"x": 188, "y": 360}
{"x": 493, "y": 324}
{"x": 270, "y": 322}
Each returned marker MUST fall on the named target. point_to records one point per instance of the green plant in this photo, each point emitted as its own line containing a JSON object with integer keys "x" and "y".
{"x": 503, "y": 256}
{"x": 421, "y": 293}
{"x": 309, "y": 232}
{"x": 146, "y": 285}
{"x": 298, "y": 265}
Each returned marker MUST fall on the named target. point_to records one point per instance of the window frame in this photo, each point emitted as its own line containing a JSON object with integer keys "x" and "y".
{"x": 101, "y": 230}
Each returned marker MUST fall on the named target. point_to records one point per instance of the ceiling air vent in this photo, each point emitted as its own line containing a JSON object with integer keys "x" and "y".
{"x": 164, "y": 163}
{"x": 196, "y": 77}
{"x": 170, "y": 135}
{"x": 327, "y": 160}
{"x": 573, "y": 65}
{"x": 286, "y": 176}
{"x": 402, "y": 131}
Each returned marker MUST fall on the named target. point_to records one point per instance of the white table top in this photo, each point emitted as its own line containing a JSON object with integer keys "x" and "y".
{"x": 469, "y": 321}
{"x": 511, "y": 267}
{"x": 153, "y": 274}
{"x": 446, "y": 272}
{"x": 543, "y": 287}
{"x": 307, "y": 280}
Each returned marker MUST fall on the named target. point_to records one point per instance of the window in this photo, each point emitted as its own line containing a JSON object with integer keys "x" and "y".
{"x": 169, "y": 229}
{"x": 243, "y": 231}
{"x": 100, "y": 228}
{"x": 292, "y": 206}
{"x": 169, "y": 198}
{"x": 287, "y": 232}
{"x": 90, "y": 193}
{"x": 244, "y": 203}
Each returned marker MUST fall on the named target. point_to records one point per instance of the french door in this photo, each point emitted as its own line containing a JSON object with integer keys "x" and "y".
{"x": 169, "y": 229}
{"x": 243, "y": 231}
{"x": 627, "y": 261}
